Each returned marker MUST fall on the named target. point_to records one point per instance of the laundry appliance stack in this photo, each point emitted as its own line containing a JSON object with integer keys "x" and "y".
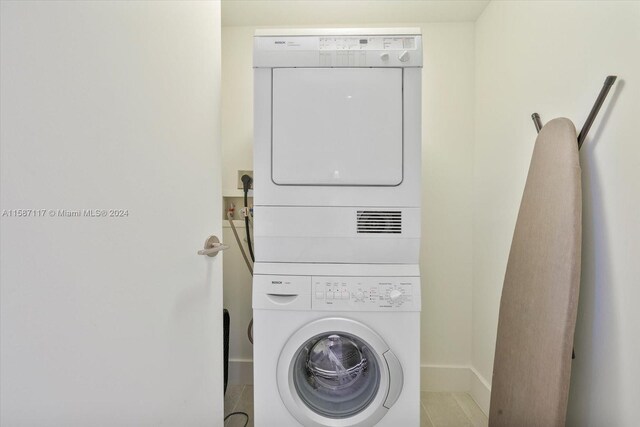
{"x": 337, "y": 171}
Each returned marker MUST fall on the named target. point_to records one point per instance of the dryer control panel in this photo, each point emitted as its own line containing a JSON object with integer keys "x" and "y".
{"x": 366, "y": 50}
{"x": 365, "y": 293}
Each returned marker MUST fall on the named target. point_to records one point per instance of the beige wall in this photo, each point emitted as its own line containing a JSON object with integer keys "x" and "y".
{"x": 552, "y": 57}
{"x": 447, "y": 166}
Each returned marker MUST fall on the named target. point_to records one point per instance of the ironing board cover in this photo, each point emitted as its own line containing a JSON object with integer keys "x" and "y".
{"x": 532, "y": 365}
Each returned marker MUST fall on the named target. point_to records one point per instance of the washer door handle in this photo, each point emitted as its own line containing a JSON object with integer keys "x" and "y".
{"x": 396, "y": 378}
{"x": 282, "y": 298}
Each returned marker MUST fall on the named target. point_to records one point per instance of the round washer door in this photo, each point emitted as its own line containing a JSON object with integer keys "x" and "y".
{"x": 338, "y": 372}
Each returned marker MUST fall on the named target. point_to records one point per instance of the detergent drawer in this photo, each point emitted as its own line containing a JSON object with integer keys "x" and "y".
{"x": 276, "y": 292}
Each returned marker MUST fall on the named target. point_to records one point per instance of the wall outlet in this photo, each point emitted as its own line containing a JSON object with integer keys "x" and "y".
{"x": 240, "y": 173}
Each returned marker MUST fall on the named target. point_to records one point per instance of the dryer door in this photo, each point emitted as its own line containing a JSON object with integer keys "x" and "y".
{"x": 337, "y": 126}
{"x": 338, "y": 372}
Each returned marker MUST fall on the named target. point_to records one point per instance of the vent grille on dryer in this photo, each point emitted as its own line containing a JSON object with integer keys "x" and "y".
{"x": 380, "y": 222}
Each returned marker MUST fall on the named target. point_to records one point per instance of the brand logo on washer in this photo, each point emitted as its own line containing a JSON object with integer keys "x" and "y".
{"x": 280, "y": 42}
{"x": 276, "y": 282}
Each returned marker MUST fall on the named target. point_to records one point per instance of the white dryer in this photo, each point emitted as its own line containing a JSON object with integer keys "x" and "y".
{"x": 336, "y": 345}
{"x": 337, "y": 145}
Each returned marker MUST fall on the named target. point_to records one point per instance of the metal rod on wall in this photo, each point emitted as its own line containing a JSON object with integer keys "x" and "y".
{"x": 596, "y": 108}
{"x": 536, "y": 121}
{"x": 608, "y": 82}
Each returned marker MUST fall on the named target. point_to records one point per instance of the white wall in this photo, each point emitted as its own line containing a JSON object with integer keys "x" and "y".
{"x": 237, "y": 299}
{"x": 447, "y": 166}
{"x": 447, "y": 153}
{"x": 236, "y": 101}
{"x": 552, "y": 57}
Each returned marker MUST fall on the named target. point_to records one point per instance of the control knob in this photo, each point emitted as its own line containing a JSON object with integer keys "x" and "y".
{"x": 404, "y": 56}
{"x": 384, "y": 56}
{"x": 395, "y": 295}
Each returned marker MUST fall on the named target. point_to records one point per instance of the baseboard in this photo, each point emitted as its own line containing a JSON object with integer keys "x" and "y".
{"x": 443, "y": 378}
{"x": 480, "y": 391}
{"x": 432, "y": 378}
{"x": 240, "y": 371}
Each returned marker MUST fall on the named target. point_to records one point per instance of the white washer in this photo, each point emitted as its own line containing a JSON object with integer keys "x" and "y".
{"x": 336, "y": 345}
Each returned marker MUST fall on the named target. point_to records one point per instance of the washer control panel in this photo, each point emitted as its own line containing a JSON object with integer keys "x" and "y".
{"x": 365, "y": 293}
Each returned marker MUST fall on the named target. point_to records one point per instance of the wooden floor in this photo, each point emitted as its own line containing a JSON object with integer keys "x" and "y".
{"x": 438, "y": 409}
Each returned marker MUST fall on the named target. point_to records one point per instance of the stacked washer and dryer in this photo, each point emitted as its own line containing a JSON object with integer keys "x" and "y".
{"x": 337, "y": 171}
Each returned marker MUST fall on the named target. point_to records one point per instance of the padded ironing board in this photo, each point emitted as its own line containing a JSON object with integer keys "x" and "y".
{"x": 532, "y": 365}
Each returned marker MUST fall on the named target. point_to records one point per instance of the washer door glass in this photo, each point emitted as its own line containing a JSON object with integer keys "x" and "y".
{"x": 336, "y": 375}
